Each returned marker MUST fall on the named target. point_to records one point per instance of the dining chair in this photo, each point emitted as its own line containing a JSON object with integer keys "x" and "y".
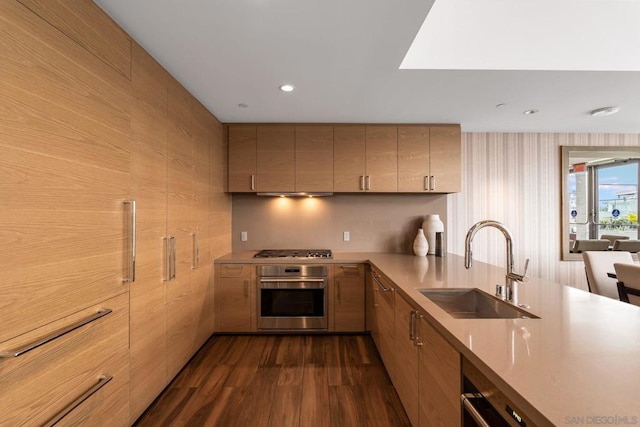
{"x": 628, "y": 282}
{"x": 590, "y": 245}
{"x": 612, "y": 237}
{"x": 597, "y": 264}
{"x": 627, "y": 245}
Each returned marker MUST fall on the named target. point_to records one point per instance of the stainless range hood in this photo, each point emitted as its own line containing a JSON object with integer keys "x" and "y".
{"x": 295, "y": 194}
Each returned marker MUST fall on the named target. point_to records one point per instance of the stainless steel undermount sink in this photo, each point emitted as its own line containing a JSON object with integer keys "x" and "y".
{"x": 472, "y": 303}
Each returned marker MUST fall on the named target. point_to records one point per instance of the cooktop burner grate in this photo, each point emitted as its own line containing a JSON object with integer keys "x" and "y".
{"x": 294, "y": 253}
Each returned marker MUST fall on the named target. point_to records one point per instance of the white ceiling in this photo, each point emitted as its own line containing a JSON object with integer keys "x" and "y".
{"x": 343, "y": 56}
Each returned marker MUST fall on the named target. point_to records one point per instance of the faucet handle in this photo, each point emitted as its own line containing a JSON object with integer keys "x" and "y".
{"x": 520, "y": 277}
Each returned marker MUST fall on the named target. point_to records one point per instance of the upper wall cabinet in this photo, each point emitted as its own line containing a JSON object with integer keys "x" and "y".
{"x": 345, "y": 158}
{"x": 365, "y": 159}
{"x": 429, "y": 159}
{"x": 314, "y": 158}
{"x": 243, "y": 164}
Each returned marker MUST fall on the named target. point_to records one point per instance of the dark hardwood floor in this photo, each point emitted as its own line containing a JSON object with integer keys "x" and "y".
{"x": 281, "y": 380}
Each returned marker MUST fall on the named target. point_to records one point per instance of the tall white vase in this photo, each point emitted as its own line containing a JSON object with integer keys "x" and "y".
{"x": 420, "y": 246}
{"x": 431, "y": 225}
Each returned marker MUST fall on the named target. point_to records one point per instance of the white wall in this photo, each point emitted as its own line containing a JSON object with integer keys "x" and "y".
{"x": 515, "y": 179}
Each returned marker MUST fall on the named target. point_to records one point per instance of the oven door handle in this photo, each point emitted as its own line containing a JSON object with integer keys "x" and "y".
{"x": 290, "y": 279}
{"x": 471, "y": 410}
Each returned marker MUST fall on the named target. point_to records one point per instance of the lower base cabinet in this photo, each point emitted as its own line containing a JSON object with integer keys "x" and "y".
{"x": 88, "y": 365}
{"x": 423, "y": 366}
{"x": 235, "y": 298}
{"x": 439, "y": 378}
{"x": 348, "y": 298}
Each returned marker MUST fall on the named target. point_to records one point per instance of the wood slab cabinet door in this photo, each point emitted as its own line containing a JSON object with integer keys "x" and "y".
{"x": 445, "y": 162}
{"x": 181, "y": 319}
{"x": 382, "y": 159}
{"x": 64, "y": 162}
{"x": 413, "y": 159}
{"x": 439, "y": 385}
{"x": 349, "y": 158}
{"x": 405, "y": 373}
{"x": 348, "y": 307}
{"x": 148, "y": 341}
{"x": 275, "y": 158}
{"x": 243, "y": 146}
{"x": 383, "y": 318}
{"x": 235, "y": 298}
{"x": 314, "y": 158}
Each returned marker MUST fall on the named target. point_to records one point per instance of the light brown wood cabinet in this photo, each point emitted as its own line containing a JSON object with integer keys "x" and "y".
{"x": 95, "y": 122}
{"x": 439, "y": 382}
{"x": 382, "y": 317}
{"x": 426, "y": 372}
{"x": 40, "y": 384}
{"x": 235, "y": 298}
{"x": 345, "y": 158}
{"x": 243, "y": 162}
{"x": 429, "y": 159}
{"x": 314, "y": 158}
{"x": 405, "y": 379}
{"x": 275, "y": 159}
{"x": 365, "y": 158}
{"x": 348, "y": 298}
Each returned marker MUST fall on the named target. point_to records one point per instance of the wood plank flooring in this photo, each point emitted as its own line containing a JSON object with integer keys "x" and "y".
{"x": 280, "y": 380}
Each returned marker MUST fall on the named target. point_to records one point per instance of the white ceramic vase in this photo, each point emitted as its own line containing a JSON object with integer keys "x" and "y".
{"x": 431, "y": 225}
{"x": 420, "y": 245}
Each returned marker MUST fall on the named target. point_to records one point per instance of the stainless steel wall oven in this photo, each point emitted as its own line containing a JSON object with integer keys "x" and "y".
{"x": 292, "y": 297}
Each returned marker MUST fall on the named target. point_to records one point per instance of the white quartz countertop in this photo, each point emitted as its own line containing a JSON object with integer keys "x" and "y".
{"x": 579, "y": 364}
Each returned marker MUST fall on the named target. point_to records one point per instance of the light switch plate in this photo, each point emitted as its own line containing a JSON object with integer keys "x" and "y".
{"x": 243, "y": 236}
{"x": 346, "y": 236}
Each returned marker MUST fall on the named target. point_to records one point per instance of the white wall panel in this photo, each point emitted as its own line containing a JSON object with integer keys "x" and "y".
{"x": 515, "y": 178}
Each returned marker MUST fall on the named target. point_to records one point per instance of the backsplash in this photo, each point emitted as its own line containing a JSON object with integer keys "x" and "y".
{"x": 375, "y": 222}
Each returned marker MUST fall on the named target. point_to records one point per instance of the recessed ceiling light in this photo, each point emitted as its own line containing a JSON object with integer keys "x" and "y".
{"x": 287, "y": 88}
{"x": 605, "y": 111}
{"x": 243, "y": 105}
{"x": 529, "y": 112}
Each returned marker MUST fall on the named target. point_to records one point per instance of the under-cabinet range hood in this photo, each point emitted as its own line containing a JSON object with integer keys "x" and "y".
{"x": 295, "y": 194}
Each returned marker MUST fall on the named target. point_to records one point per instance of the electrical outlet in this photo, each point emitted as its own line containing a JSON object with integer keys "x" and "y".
{"x": 346, "y": 236}
{"x": 243, "y": 236}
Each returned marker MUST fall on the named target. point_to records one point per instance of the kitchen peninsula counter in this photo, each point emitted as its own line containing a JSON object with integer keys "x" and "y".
{"x": 579, "y": 364}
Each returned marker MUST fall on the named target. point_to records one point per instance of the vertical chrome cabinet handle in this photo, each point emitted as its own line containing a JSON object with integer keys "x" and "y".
{"x": 433, "y": 182}
{"x": 412, "y": 325}
{"x": 196, "y": 251}
{"x": 426, "y": 182}
{"x": 417, "y": 341}
{"x": 173, "y": 258}
{"x": 131, "y": 274}
{"x": 368, "y": 186}
{"x": 253, "y": 182}
{"x": 362, "y": 182}
{"x": 103, "y": 380}
{"x": 167, "y": 258}
{"x": 246, "y": 288}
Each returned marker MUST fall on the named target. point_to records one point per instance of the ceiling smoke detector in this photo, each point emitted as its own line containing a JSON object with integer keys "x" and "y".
{"x": 604, "y": 111}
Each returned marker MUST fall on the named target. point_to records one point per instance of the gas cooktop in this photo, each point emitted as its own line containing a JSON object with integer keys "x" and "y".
{"x": 294, "y": 253}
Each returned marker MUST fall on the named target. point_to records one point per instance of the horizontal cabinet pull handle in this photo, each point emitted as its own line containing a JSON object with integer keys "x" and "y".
{"x": 104, "y": 379}
{"x": 289, "y": 279}
{"x": 383, "y": 287}
{"x": 54, "y": 335}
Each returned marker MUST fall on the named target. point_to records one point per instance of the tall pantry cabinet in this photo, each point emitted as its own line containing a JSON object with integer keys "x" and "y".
{"x": 64, "y": 177}
{"x": 171, "y": 300}
{"x": 88, "y": 123}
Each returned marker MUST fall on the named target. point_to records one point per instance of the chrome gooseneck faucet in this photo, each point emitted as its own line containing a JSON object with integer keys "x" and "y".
{"x": 511, "y": 280}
